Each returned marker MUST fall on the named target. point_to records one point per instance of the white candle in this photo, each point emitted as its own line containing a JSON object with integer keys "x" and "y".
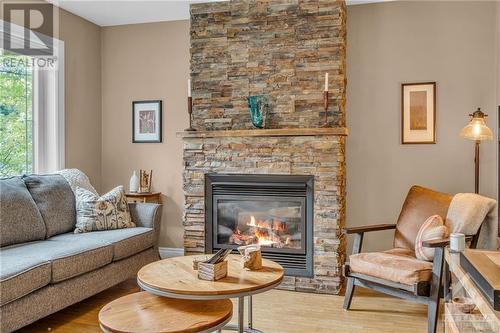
{"x": 326, "y": 82}
{"x": 189, "y": 87}
{"x": 457, "y": 242}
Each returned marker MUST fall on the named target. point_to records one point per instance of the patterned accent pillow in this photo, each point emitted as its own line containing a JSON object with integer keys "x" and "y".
{"x": 433, "y": 228}
{"x": 107, "y": 212}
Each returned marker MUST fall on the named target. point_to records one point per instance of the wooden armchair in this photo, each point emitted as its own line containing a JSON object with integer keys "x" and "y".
{"x": 397, "y": 272}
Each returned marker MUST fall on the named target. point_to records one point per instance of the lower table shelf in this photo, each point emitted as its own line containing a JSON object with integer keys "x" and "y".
{"x": 459, "y": 322}
{"x": 483, "y": 319}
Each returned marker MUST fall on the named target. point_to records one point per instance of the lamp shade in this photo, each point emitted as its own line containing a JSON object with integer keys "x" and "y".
{"x": 477, "y": 129}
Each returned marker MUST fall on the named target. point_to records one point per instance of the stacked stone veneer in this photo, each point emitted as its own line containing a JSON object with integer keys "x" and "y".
{"x": 280, "y": 48}
{"x": 321, "y": 156}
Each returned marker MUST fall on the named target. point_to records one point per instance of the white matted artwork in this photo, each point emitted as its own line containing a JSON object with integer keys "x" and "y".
{"x": 418, "y": 113}
{"x": 147, "y": 121}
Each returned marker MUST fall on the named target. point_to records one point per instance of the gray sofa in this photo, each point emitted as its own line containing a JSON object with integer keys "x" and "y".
{"x": 44, "y": 266}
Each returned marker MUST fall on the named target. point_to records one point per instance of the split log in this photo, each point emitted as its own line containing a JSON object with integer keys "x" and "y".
{"x": 251, "y": 257}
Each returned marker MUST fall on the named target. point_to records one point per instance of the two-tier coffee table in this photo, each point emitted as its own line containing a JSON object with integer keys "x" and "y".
{"x": 145, "y": 312}
{"x": 175, "y": 278}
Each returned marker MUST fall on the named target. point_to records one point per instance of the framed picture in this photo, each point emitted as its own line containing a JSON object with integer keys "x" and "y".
{"x": 146, "y": 121}
{"x": 418, "y": 113}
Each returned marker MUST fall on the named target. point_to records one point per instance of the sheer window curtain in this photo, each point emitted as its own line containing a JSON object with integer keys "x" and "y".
{"x": 48, "y": 103}
{"x": 48, "y": 115}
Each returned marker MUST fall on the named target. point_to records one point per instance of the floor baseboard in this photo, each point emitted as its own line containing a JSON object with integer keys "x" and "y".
{"x": 170, "y": 252}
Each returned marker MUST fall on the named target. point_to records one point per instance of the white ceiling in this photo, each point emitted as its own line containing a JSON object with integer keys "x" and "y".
{"x": 119, "y": 12}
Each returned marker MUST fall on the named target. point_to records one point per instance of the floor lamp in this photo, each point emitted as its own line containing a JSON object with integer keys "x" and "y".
{"x": 478, "y": 131}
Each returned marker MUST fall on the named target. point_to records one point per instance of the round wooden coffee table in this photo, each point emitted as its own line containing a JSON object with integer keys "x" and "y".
{"x": 176, "y": 278}
{"x": 145, "y": 312}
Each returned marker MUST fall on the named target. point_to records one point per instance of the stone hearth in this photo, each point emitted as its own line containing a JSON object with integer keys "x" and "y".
{"x": 280, "y": 48}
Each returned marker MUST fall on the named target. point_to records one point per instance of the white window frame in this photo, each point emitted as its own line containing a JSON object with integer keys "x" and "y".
{"x": 48, "y": 106}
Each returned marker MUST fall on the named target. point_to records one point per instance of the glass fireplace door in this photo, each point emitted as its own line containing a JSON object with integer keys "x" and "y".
{"x": 276, "y": 223}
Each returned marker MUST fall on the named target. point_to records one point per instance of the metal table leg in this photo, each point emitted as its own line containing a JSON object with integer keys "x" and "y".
{"x": 446, "y": 282}
{"x": 241, "y": 309}
{"x": 250, "y": 312}
{"x": 240, "y": 328}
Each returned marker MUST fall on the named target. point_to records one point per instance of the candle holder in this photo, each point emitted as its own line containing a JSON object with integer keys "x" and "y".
{"x": 325, "y": 106}
{"x": 190, "y": 112}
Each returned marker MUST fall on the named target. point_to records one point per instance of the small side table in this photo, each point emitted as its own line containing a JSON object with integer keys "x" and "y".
{"x": 154, "y": 197}
{"x": 484, "y": 319}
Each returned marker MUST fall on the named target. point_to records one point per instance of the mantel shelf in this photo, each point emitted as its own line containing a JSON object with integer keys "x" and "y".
{"x": 333, "y": 131}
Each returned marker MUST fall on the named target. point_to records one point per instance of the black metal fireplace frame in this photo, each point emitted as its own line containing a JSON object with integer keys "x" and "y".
{"x": 296, "y": 263}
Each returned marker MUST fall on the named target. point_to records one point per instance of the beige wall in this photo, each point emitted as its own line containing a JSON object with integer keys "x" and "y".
{"x": 498, "y": 54}
{"x": 452, "y": 43}
{"x": 82, "y": 71}
{"x": 146, "y": 61}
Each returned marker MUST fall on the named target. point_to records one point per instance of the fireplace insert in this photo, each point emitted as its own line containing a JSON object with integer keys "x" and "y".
{"x": 275, "y": 211}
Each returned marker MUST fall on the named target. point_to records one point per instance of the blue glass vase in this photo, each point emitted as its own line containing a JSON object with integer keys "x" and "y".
{"x": 258, "y": 106}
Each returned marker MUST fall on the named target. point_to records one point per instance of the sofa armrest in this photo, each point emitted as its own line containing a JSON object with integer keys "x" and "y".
{"x": 147, "y": 215}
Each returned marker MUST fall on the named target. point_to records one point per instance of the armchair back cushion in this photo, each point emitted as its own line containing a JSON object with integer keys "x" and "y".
{"x": 420, "y": 203}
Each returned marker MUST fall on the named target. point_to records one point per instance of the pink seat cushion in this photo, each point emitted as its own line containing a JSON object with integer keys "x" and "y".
{"x": 397, "y": 265}
{"x": 433, "y": 228}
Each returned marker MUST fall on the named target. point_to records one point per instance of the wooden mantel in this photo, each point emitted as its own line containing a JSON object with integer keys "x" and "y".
{"x": 334, "y": 131}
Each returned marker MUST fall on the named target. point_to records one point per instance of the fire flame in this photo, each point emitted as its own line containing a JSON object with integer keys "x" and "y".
{"x": 266, "y": 232}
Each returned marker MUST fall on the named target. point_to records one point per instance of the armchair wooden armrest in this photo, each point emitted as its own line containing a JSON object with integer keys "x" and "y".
{"x": 360, "y": 231}
{"x": 443, "y": 242}
{"x": 368, "y": 228}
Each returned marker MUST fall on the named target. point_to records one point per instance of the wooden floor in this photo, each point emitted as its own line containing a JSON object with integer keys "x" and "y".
{"x": 274, "y": 312}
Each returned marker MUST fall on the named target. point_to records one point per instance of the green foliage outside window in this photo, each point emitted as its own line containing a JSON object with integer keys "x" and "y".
{"x": 16, "y": 118}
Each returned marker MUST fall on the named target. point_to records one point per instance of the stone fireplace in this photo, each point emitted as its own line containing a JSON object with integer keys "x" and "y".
{"x": 283, "y": 186}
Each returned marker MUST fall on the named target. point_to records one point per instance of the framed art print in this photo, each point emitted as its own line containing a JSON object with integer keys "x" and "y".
{"x": 418, "y": 108}
{"x": 146, "y": 121}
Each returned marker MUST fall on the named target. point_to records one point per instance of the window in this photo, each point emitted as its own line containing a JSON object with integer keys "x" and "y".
{"x": 31, "y": 108}
{"x": 16, "y": 117}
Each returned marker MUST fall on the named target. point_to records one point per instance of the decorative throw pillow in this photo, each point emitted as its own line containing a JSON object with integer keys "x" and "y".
{"x": 433, "y": 228}
{"x": 107, "y": 212}
{"x": 77, "y": 178}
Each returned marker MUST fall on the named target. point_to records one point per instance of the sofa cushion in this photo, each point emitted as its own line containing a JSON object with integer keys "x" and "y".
{"x": 20, "y": 219}
{"x": 72, "y": 258}
{"x": 21, "y": 272}
{"x": 68, "y": 258}
{"x": 55, "y": 200}
{"x": 125, "y": 242}
{"x": 396, "y": 266}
